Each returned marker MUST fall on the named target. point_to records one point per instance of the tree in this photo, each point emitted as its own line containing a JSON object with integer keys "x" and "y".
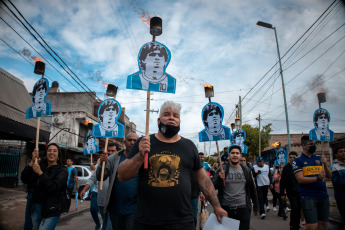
{"x": 252, "y": 138}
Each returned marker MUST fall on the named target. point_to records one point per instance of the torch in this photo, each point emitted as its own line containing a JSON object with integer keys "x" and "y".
{"x": 155, "y": 30}
{"x": 39, "y": 70}
{"x": 111, "y": 92}
{"x": 209, "y": 92}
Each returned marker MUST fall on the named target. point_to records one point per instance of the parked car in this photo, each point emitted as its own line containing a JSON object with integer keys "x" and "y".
{"x": 84, "y": 173}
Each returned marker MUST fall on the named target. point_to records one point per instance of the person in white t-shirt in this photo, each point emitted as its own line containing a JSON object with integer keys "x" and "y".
{"x": 261, "y": 172}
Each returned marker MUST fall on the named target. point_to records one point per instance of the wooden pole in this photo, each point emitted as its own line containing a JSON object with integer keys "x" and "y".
{"x": 147, "y": 126}
{"x": 37, "y": 135}
{"x": 91, "y": 159}
{"x": 38, "y": 130}
{"x": 221, "y": 168}
{"x": 103, "y": 164}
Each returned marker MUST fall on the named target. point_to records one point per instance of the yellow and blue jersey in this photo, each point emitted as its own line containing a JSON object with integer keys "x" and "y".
{"x": 310, "y": 167}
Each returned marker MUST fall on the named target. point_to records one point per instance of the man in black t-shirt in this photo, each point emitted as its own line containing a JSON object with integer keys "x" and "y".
{"x": 164, "y": 189}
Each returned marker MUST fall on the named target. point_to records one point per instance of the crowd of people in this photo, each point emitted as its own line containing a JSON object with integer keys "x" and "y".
{"x": 165, "y": 195}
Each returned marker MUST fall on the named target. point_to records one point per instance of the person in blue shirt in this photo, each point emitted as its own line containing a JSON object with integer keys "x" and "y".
{"x": 121, "y": 199}
{"x": 72, "y": 180}
{"x": 204, "y": 163}
{"x": 338, "y": 179}
{"x": 310, "y": 176}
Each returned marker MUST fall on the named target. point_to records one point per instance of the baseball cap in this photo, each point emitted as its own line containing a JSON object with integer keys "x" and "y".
{"x": 259, "y": 158}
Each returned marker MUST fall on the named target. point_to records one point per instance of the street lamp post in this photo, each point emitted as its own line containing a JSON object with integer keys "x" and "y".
{"x": 267, "y": 25}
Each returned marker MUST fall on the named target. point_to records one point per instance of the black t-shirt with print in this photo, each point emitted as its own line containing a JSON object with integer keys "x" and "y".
{"x": 164, "y": 190}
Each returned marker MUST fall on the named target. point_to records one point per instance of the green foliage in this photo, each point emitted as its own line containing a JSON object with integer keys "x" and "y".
{"x": 210, "y": 160}
{"x": 252, "y": 139}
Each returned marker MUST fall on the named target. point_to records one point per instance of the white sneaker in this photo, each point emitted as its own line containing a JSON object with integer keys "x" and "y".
{"x": 287, "y": 209}
{"x": 267, "y": 208}
{"x": 274, "y": 209}
{"x": 262, "y": 216}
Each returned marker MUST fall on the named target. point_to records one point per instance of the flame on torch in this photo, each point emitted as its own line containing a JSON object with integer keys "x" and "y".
{"x": 276, "y": 144}
{"x": 87, "y": 122}
{"x": 207, "y": 85}
{"x": 147, "y": 20}
{"x": 35, "y": 59}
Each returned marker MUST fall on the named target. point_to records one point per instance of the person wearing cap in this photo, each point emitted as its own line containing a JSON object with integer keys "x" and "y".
{"x": 236, "y": 193}
{"x": 262, "y": 175}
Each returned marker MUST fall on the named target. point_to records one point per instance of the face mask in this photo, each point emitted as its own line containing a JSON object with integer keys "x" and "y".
{"x": 168, "y": 130}
{"x": 312, "y": 149}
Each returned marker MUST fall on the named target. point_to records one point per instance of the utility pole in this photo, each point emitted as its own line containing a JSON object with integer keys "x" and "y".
{"x": 240, "y": 111}
{"x": 259, "y": 119}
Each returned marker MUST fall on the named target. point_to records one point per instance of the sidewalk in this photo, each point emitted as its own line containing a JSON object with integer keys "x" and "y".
{"x": 13, "y": 204}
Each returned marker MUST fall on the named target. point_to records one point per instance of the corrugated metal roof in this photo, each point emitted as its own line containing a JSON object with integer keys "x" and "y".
{"x": 15, "y": 100}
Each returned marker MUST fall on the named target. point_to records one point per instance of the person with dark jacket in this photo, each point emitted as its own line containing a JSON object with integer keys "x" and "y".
{"x": 289, "y": 183}
{"x": 238, "y": 189}
{"x": 50, "y": 177}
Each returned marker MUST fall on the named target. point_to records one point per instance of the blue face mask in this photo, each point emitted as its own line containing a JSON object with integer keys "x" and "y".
{"x": 168, "y": 130}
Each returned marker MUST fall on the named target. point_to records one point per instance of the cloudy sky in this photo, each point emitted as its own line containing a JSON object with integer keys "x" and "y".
{"x": 216, "y": 42}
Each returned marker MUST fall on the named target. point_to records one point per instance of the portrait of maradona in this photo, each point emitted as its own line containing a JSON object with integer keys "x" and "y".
{"x": 212, "y": 118}
{"x": 238, "y": 138}
{"x": 164, "y": 171}
{"x": 321, "y": 132}
{"x": 281, "y": 157}
{"x": 153, "y": 60}
{"x": 108, "y": 113}
{"x": 91, "y": 146}
{"x": 40, "y": 106}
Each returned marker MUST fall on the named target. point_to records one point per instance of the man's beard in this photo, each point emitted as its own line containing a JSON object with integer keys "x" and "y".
{"x": 234, "y": 163}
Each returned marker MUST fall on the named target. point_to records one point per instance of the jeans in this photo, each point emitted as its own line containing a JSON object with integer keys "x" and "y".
{"x": 94, "y": 209}
{"x": 194, "y": 202}
{"x": 28, "y": 221}
{"x": 105, "y": 217}
{"x": 262, "y": 195}
{"x": 70, "y": 191}
{"x": 49, "y": 223}
{"x": 282, "y": 206}
{"x": 241, "y": 214}
{"x": 36, "y": 216}
{"x": 122, "y": 222}
{"x": 274, "y": 199}
{"x": 295, "y": 213}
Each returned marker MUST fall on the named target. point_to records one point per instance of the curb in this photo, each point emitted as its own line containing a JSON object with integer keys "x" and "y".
{"x": 73, "y": 214}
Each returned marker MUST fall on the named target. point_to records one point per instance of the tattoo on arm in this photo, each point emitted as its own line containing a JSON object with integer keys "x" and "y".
{"x": 208, "y": 190}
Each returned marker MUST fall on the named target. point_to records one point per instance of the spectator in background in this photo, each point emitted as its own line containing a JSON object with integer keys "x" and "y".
{"x": 338, "y": 179}
{"x": 289, "y": 183}
{"x": 279, "y": 193}
{"x": 204, "y": 163}
{"x": 100, "y": 194}
{"x": 261, "y": 173}
{"x": 72, "y": 180}
{"x": 121, "y": 198}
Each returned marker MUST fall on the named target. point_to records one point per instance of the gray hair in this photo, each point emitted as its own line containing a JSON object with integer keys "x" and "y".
{"x": 170, "y": 105}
